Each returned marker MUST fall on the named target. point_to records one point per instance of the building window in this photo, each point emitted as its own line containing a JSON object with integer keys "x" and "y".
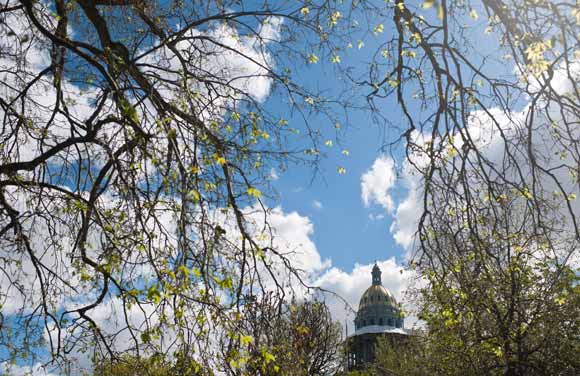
{"x": 380, "y": 321}
{"x": 390, "y": 322}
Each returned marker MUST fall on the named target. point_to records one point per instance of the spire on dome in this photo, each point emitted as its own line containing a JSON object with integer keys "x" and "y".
{"x": 376, "y": 273}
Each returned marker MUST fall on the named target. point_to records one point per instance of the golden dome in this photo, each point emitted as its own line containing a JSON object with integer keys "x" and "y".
{"x": 377, "y": 295}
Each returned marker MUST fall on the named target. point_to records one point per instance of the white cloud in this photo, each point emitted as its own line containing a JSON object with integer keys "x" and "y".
{"x": 317, "y": 205}
{"x": 376, "y": 217}
{"x": 273, "y": 174}
{"x": 20, "y": 287}
{"x": 54, "y": 241}
{"x": 407, "y": 211}
{"x": 288, "y": 233}
{"x": 118, "y": 324}
{"x": 233, "y": 63}
{"x": 270, "y": 29}
{"x": 493, "y": 133}
{"x": 37, "y": 369}
{"x": 293, "y": 233}
{"x": 377, "y": 181}
{"x": 22, "y": 60}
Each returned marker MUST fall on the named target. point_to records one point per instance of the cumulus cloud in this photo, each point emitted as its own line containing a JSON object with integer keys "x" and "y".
{"x": 407, "y": 211}
{"x": 493, "y": 133}
{"x": 273, "y": 175}
{"x": 23, "y": 74}
{"x": 292, "y": 232}
{"x": 289, "y": 233}
{"x": 220, "y": 55}
{"x": 37, "y": 369}
{"x": 60, "y": 282}
{"x": 54, "y": 240}
{"x": 376, "y": 217}
{"x": 120, "y": 324}
{"x": 377, "y": 182}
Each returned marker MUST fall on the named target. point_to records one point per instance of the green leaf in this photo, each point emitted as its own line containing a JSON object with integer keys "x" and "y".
{"x": 246, "y": 340}
{"x": 146, "y": 337}
{"x": 253, "y": 192}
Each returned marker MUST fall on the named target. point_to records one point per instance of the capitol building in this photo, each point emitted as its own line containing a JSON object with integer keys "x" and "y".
{"x": 378, "y": 315}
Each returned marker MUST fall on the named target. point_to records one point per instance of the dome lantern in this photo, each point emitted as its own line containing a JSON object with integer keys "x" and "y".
{"x": 376, "y": 273}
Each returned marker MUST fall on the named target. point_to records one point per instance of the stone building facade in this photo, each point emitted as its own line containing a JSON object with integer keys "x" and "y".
{"x": 378, "y": 315}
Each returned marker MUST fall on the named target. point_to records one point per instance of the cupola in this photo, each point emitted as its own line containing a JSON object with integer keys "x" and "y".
{"x": 377, "y": 306}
